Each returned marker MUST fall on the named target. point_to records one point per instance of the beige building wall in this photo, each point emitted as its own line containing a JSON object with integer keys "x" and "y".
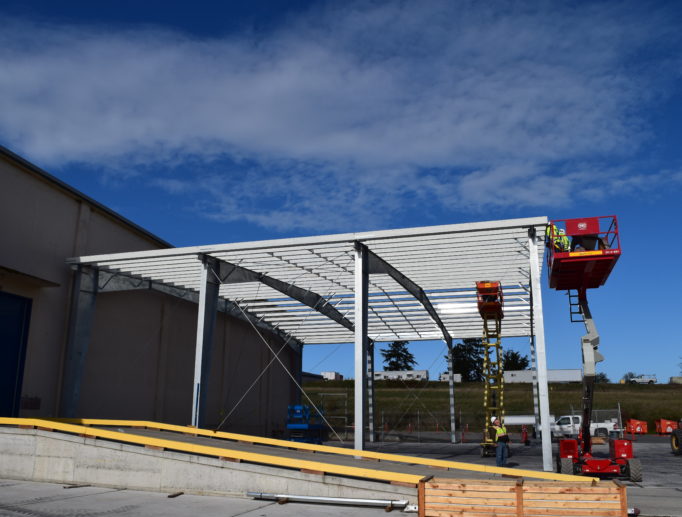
{"x": 141, "y": 356}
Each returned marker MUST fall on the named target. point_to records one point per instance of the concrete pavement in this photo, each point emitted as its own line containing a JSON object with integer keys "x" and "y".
{"x": 33, "y": 499}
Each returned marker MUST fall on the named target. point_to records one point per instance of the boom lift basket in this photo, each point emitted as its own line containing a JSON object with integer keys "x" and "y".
{"x": 581, "y": 252}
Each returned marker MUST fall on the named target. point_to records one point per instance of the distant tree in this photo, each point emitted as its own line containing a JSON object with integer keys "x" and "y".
{"x": 513, "y": 360}
{"x": 397, "y": 357}
{"x": 467, "y": 358}
{"x": 602, "y": 377}
{"x": 629, "y": 376}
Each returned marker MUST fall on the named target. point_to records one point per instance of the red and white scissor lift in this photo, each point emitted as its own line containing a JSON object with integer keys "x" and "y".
{"x": 491, "y": 308}
{"x": 581, "y": 256}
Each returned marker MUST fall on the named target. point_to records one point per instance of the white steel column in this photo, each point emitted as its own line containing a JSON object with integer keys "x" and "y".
{"x": 208, "y": 305}
{"x": 361, "y": 301}
{"x": 451, "y": 391}
{"x": 541, "y": 364}
{"x": 533, "y": 367}
{"x": 370, "y": 390}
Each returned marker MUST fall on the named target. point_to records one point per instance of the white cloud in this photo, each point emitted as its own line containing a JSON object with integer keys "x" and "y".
{"x": 350, "y": 108}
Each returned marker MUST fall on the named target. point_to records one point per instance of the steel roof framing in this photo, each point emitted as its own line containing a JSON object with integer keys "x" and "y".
{"x": 422, "y": 284}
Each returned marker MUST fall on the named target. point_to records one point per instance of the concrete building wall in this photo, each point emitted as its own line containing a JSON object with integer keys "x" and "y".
{"x": 141, "y": 356}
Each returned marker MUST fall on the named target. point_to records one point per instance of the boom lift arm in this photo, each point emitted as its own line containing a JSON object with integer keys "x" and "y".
{"x": 591, "y": 356}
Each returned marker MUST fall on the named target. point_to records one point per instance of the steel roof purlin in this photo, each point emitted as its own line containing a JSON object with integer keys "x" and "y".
{"x": 423, "y": 285}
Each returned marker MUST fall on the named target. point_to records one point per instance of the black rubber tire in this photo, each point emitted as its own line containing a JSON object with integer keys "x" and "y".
{"x": 676, "y": 442}
{"x": 566, "y": 466}
{"x": 483, "y": 452}
{"x": 634, "y": 470}
{"x": 652, "y": 382}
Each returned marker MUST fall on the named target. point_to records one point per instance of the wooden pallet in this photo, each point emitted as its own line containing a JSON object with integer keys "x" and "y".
{"x": 442, "y": 497}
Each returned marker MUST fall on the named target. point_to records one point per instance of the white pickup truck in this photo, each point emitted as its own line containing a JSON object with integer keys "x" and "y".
{"x": 644, "y": 379}
{"x": 569, "y": 426}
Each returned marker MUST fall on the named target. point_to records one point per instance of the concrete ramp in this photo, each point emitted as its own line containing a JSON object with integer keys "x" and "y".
{"x": 42, "y": 455}
{"x": 162, "y": 457}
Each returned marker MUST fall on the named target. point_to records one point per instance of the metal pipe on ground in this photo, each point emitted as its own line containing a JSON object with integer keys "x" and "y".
{"x": 379, "y": 503}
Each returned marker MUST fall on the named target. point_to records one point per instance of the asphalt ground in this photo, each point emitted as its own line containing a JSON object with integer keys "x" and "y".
{"x": 31, "y": 499}
{"x": 658, "y": 495}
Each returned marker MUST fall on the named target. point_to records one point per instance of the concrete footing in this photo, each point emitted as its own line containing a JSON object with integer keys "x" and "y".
{"x": 37, "y": 455}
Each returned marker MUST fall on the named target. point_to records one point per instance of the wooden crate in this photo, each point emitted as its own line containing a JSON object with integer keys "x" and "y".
{"x": 443, "y": 497}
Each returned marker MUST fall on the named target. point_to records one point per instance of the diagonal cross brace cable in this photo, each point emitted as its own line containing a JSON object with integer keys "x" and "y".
{"x": 272, "y": 360}
{"x": 276, "y": 357}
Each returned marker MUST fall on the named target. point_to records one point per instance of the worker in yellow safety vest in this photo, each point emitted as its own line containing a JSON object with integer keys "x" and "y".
{"x": 501, "y": 442}
{"x": 556, "y": 237}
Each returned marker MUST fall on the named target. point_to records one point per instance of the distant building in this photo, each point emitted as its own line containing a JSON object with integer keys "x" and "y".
{"x": 311, "y": 377}
{"x": 332, "y": 376}
{"x": 405, "y": 375}
{"x": 457, "y": 377}
{"x": 527, "y": 376}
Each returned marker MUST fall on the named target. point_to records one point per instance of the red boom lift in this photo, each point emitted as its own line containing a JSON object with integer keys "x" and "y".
{"x": 582, "y": 253}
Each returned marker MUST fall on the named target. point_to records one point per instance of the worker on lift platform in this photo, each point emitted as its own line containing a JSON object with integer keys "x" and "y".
{"x": 556, "y": 238}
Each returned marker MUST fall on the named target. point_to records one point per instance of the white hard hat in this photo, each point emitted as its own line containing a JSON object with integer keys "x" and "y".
{"x": 492, "y": 419}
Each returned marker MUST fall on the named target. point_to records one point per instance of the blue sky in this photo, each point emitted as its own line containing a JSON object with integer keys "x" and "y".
{"x": 209, "y": 123}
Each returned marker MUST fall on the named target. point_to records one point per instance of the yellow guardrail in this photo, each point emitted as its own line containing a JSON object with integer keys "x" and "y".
{"x": 396, "y": 458}
{"x": 267, "y": 459}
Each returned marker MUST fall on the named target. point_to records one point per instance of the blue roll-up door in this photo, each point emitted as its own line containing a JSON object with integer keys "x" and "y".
{"x": 15, "y": 315}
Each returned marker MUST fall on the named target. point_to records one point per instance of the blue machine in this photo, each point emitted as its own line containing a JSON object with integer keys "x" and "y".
{"x": 304, "y": 425}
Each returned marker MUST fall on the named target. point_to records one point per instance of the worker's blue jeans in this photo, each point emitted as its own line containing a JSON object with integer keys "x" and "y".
{"x": 501, "y": 454}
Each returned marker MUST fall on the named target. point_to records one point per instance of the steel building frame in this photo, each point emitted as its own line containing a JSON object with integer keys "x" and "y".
{"x": 407, "y": 284}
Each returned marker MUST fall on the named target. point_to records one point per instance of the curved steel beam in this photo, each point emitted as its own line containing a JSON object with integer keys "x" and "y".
{"x": 229, "y": 273}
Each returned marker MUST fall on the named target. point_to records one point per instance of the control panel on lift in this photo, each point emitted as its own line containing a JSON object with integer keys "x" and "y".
{"x": 581, "y": 252}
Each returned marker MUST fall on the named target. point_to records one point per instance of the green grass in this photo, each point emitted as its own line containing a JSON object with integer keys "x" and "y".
{"x": 400, "y": 405}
